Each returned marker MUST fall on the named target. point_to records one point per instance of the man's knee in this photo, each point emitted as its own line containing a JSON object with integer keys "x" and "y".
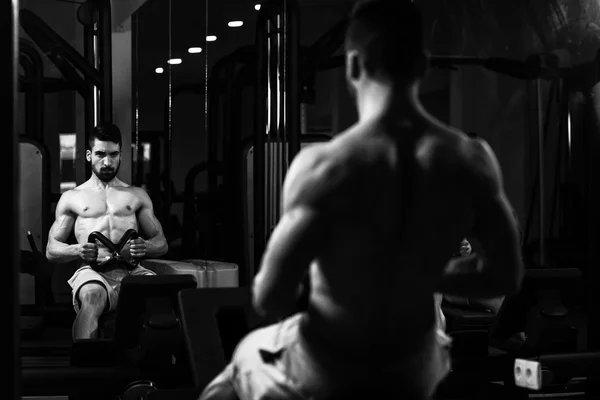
{"x": 94, "y": 296}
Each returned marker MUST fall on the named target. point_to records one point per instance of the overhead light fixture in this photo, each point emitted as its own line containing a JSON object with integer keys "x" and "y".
{"x": 174, "y": 61}
{"x": 211, "y": 38}
{"x": 257, "y": 7}
{"x": 235, "y": 24}
{"x": 194, "y": 50}
{"x": 159, "y": 70}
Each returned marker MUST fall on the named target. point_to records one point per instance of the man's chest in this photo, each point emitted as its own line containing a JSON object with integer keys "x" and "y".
{"x": 115, "y": 204}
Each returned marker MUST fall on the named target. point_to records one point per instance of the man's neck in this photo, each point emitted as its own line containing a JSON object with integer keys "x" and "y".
{"x": 100, "y": 184}
{"x": 385, "y": 100}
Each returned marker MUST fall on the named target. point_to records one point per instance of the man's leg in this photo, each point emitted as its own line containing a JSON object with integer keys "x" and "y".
{"x": 93, "y": 299}
{"x": 92, "y": 295}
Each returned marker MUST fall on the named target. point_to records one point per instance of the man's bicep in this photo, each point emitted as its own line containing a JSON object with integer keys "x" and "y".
{"x": 293, "y": 245}
{"x": 149, "y": 225}
{"x": 64, "y": 221}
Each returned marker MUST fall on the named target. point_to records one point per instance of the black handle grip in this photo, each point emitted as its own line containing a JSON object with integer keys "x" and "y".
{"x": 129, "y": 234}
{"x": 102, "y": 239}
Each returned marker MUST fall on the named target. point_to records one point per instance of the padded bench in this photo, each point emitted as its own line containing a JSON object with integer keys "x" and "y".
{"x": 462, "y": 318}
{"x": 208, "y": 274}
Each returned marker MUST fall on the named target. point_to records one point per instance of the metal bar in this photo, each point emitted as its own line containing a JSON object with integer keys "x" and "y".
{"x": 260, "y": 108}
{"x": 9, "y": 35}
{"x": 105, "y": 44}
{"x": 35, "y": 94}
{"x": 293, "y": 84}
{"x": 89, "y": 104}
{"x": 57, "y": 49}
{"x": 541, "y": 157}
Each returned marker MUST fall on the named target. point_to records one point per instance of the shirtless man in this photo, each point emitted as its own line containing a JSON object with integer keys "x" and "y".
{"x": 355, "y": 211}
{"x": 107, "y": 205}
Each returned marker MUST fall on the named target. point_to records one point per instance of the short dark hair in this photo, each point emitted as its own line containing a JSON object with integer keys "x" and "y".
{"x": 389, "y": 36}
{"x": 105, "y": 133}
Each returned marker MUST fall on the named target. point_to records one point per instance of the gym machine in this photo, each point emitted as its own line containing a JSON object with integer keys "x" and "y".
{"x": 541, "y": 323}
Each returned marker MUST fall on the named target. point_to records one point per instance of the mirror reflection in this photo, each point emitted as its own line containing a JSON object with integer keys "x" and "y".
{"x": 161, "y": 149}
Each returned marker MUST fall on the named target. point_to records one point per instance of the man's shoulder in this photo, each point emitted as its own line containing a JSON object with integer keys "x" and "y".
{"x": 473, "y": 159}
{"x": 317, "y": 172}
{"x": 74, "y": 193}
{"x": 135, "y": 191}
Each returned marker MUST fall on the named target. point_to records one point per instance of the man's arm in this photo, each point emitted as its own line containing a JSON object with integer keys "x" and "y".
{"x": 292, "y": 246}
{"x": 498, "y": 269}
{"x": 57, "y": 249}
{"x": 294, "y": 243}
{"x": 150, "y": 227}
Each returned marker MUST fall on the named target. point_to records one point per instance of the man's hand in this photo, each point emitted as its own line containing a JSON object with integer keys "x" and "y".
{"x": 137, "y": 248}
{"x": 88, "y": 252}
{"x": 465, "y": 248}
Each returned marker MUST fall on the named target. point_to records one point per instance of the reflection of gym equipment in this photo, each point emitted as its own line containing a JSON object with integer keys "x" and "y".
{"x": 33, "y": 68}
{"x": 214, "y": 321}
{"x": 94, "y": 65}
{"x": 115, "y": 260}
{"x": 217, "y": 232}
{"x": 248, "y": 187}
{"x": 33, "y": 231}
{"x": 66, "y": 58}
{"x": 145, "y": 343}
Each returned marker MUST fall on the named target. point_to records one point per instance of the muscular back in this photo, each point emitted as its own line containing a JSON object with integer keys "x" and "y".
{"x": 398, "y": 206}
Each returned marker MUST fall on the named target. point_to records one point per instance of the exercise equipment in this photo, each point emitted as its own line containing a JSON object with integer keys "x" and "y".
{"x": 33, "y": 231}
{"x": 278, "y": 122}
{"x": 115, "y": 260}
{"x": 9, "y": 14}
{"x": 539, "y": 323}
{"x": 214, "y": 321}
{"x": 141, "y": 340}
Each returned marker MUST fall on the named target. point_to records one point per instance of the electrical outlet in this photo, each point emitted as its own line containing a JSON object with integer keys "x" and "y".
{"x": 528, "y": 374}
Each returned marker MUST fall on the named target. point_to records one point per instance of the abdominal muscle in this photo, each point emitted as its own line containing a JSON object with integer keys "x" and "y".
{"x": 109, "y": 226}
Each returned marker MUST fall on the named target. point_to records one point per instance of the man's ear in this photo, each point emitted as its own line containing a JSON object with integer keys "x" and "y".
{"x": 88, "y": 155}
{"x": 353, "y": 66}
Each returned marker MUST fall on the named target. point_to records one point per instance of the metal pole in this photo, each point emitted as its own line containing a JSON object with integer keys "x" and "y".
{"x": 105, "y": 44}
{"x": 540, "y": 112}
{"x": 91, "y": 110}
{"x": 9, "y": 35}
{"x": 260, "y": 122}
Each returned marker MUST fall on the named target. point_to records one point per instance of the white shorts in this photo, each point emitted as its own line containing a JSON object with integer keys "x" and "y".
{"x": 111, "y": 281}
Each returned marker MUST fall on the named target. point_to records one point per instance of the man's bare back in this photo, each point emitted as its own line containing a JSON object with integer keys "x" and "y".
{"x": 390, "y": 234}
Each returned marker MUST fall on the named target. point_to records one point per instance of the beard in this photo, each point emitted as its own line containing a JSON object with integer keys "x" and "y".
{"x": 106, "y": 174}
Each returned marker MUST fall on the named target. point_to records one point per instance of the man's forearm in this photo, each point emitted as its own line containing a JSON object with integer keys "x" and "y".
{"x": 470, "y": 277}
{"x": 61, "y": 252}
{"x": 156, "y": 247}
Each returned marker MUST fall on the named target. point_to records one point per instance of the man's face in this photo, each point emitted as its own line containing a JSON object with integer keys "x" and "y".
{"x": 105, "y": 159}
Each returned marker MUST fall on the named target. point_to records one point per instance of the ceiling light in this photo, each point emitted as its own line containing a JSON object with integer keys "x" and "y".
{"x": 235, "y": 24}
{"x": 257, "y": 7}
{"x": 159, "y": 70}
{"x": 211, "y": 38}
{"x": 194, "y": 50}
{"x": 173, "y": 61}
